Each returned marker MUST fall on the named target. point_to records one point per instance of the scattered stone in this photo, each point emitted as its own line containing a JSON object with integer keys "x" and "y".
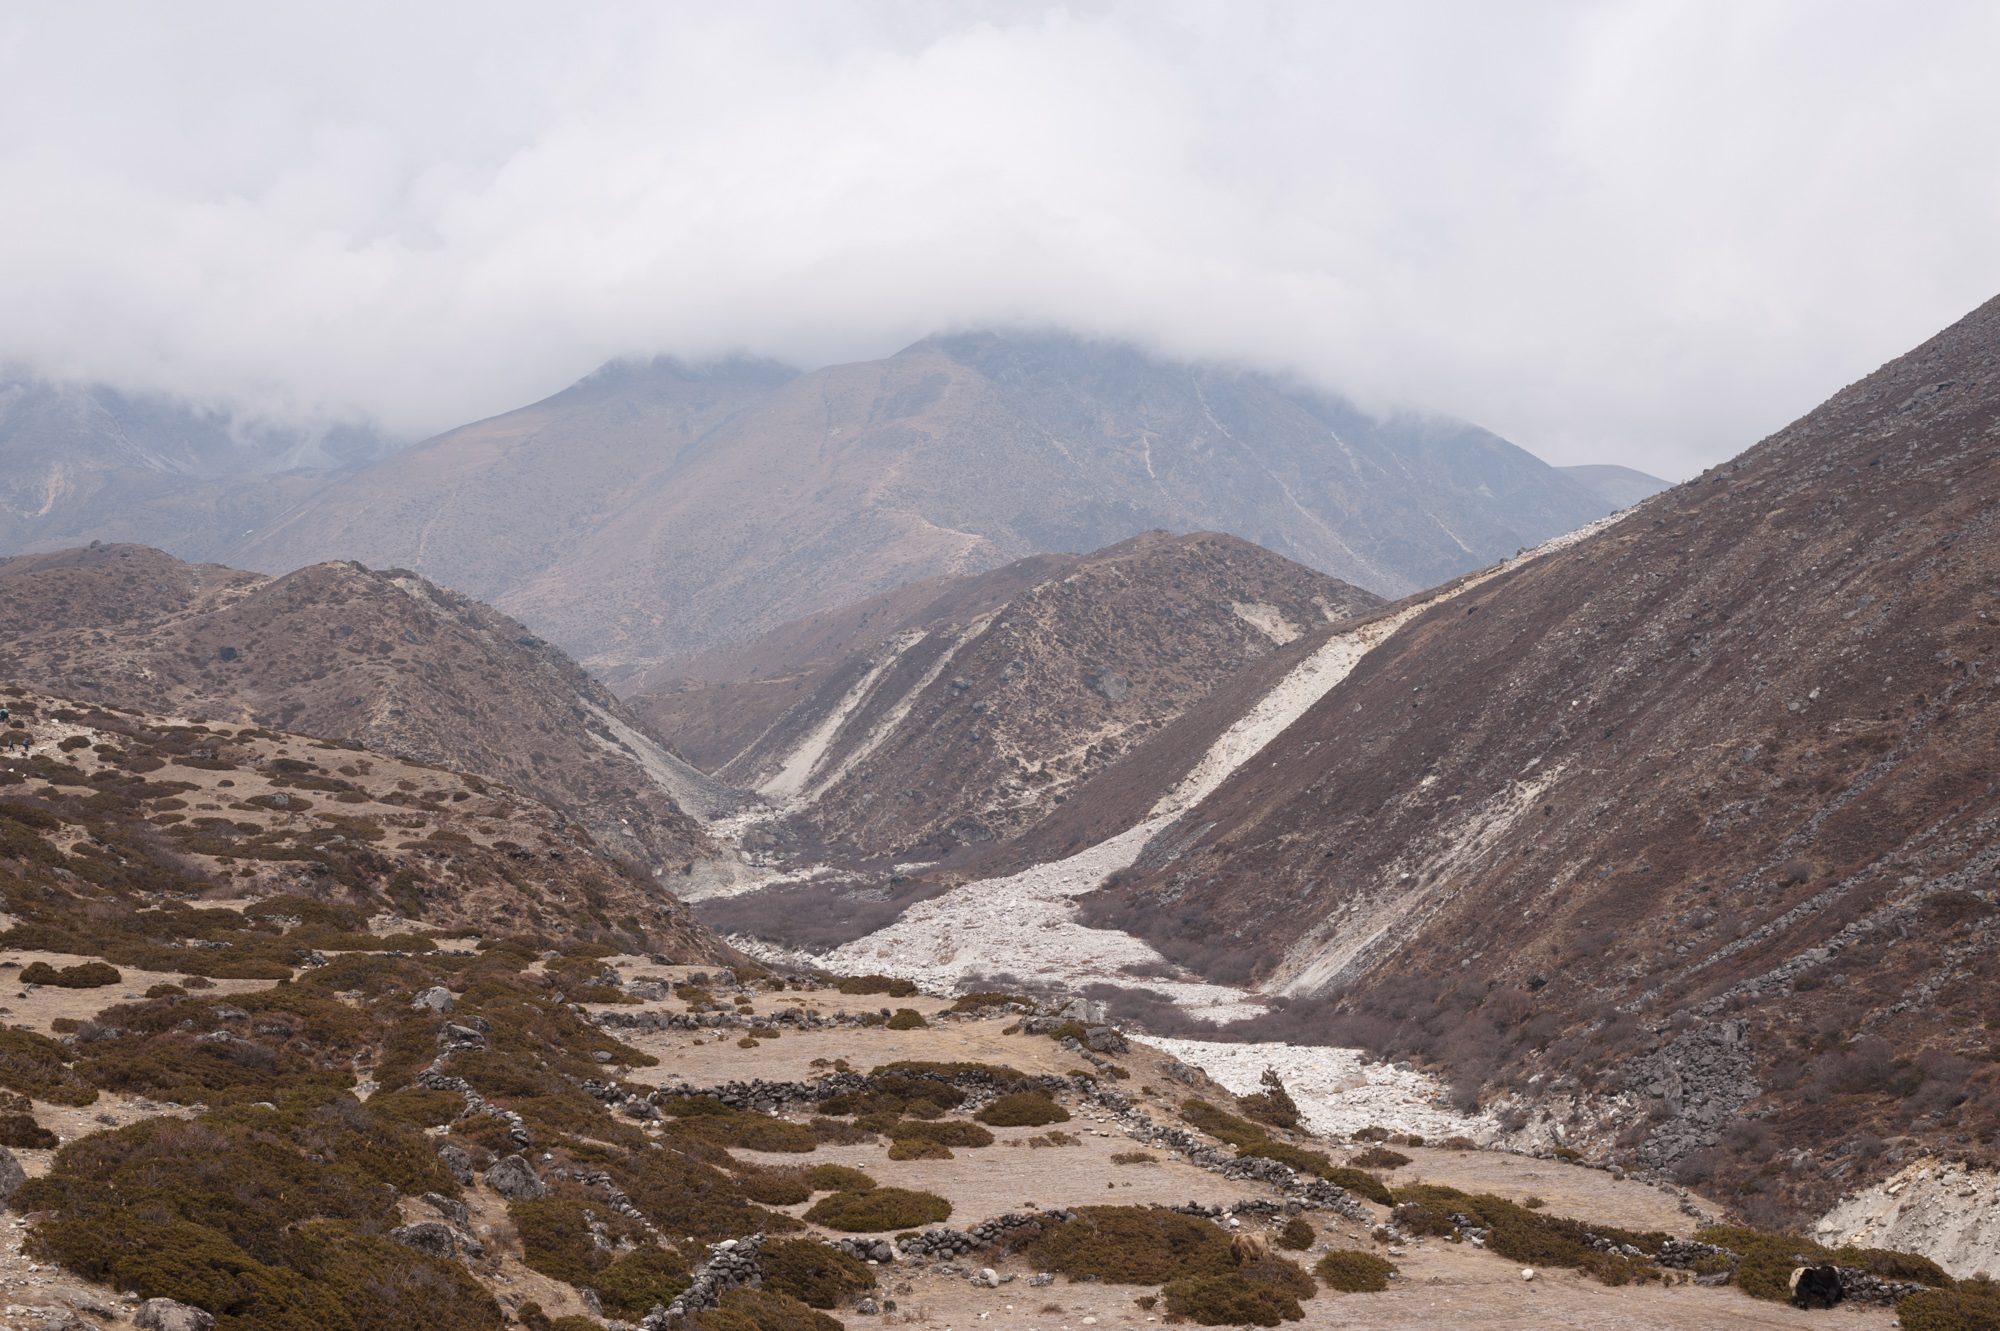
{"x": 437, "y": 998}
{"x": 12, "y": 1176}
{"x": 514, "y": 1178}
{"x": 171, "y": 1315}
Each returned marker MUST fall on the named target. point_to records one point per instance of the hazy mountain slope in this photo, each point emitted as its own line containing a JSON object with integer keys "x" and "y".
{"x": 650, "y": 512}
{"x": 140, "y": 812}
{"x": 490, "y": 505}
{"x": 86, "y": 462}
{"x": 386, "y": 660}
{"x": 1620, "y": 487}
{"x": 972, "y": 717}
{"x": 1709, "y": 797}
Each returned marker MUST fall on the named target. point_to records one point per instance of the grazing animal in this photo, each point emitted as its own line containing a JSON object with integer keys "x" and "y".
{"x": 1248, "y": 1248}
{"x": 1816, "y": 1287}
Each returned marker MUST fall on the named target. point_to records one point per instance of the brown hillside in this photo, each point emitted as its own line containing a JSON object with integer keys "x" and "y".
{"x": 385, "y": 660}
{"x": 114, "y": 821}
{"x": 969, "y": 719}
{"x": 1704, "y": 809}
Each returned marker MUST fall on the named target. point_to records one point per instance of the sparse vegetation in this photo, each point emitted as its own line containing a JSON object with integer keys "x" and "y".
{"x": 878, "y": 1210}
{"x": 87, "y": 975}
{"x": 1023, "y": 1109}
{"x": 1353, "y": 1272}
{"x": 812, "y": 1273}
{"x": 1297, "y": 1234}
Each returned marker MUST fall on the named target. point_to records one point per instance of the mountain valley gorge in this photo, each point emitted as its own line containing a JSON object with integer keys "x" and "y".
{"x": 1021, "y": 830}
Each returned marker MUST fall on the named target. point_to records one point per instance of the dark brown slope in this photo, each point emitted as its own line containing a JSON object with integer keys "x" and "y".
{"x": 969, "y": 717}
{"x": 1706, "y": 807}
{"x": 386, "y": 660}
{"x": 117, "y": 819}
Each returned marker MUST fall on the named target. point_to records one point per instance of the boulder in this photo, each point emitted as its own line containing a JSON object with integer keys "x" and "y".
{"x": 12, "y": 1176}
{"x": 437, "y": 998}
{"x": 457, "y": 1161}
{"x": 171, "y": 1315}
{"x": 427, "y": 1236}
{"x": 514, "y": 1178}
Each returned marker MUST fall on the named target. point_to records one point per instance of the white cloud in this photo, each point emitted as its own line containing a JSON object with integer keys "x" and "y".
{"x": 1643, "y": 232}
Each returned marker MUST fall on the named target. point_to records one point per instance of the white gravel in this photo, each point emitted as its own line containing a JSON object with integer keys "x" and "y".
{"x": 1336, "y": 1090}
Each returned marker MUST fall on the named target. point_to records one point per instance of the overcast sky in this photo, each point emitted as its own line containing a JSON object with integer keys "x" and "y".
{"x": 1641, "y": 232}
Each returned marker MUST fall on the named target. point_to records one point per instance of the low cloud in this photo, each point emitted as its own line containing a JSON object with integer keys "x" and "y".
{"x": 1644, "y": 232}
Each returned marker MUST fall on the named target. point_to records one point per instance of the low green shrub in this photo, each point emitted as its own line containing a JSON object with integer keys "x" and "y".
{"x": 761, "y": 1310}
{"x": 812, "y": 1273}
{"x": 1261, "y": 1294}
{"x": 1378, "y": 1157}
{"x": 21, "y": 1130}
{"x": 36, "y": 1066}
{"x": 918, "y": 1148}
{"x": 907, "y": 1019}
{"x": 1972, "y": 1305}
{"x": 648, "y": 1275}
{"x": 1353, "y": 1272}
{"x": 85, "y": 975}
{"x": 1765, "y": 1271}
{"x": 876, "y": 984}
{"x": 1130, "y": 1245}
{"x": 878, "y": 1210}
{"x": 980, "y": 1002}
{"x": 559, "y": 1235}
{"x": 775, "y": 1187}
{"x": 1023, "y": 1109}
{"x": 943, "y": 1132}
{"x": 1536, "y": 1239}
{"x": 838, "y": 1178}
{"x": 1298, "y": 1234}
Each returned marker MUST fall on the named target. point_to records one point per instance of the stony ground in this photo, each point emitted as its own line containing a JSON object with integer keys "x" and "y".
{"x": 1441, "y": 1285}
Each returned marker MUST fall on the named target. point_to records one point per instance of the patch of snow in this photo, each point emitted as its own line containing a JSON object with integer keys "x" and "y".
{"x": 798, "y": 766}
{"x": 1338, "y": 1091}
{"x": 696, "y": 793}
{"x": 1267, "y": 620}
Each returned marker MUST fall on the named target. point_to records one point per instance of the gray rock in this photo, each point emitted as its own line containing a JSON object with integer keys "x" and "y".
{"x": 450, "y": 1208}
{"x": 12, "y": 1176}
{"x": 457, "y": 1161}
{"x": 427, "y": 1236}
{"x": 62, "y": 1319}
{"x": 437, "y": 998}
{"x": 866, "y": 1307}
{"x": 170, "y": 1315}
{"x": 514, "y": 1178}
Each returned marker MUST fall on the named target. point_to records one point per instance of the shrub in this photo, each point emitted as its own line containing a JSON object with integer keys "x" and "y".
{"x": 1023, "y": 1109}
{"x": 979, "y": 1002}
{"x": 34, "y": 1065}
{"x": 833, "y": 1132}
{"x": 1273, "y": 1104}
{"x": 1767, "y": 1260}
{"x": 918, "y": 1148}
{"x": 87, "y": 975}
{"x": 635, "y": 1282}
{"x": 557, "y": 1237}
{"x": 21, "y": 1130}
{"x": 1262, "y": 1294}
{"x": 762, "y": 1310}
{"x": 1535, "y": 1239}
{"x": 1131, "y": 1245}
{"x": 812, "y": 1273}
{"x": 876, "y": 984}
{"x": 1360, "y": 1184}
{"x": 682, "y": 1195}
{"x": 907, "y": 1019}
{"x": 1353, "y": 1272}
{"x": 944, "y": 1132}
{"x": 878, "y": 1210}
{"x": 1973, "y": 1305}
{"x": 838, "y": 1178}
{"x": 1134, "y": 1158}
{"x": 1298, "y": 1234}
{"x": 775, "y": 1187}
{"x": 1379, "y": 1157}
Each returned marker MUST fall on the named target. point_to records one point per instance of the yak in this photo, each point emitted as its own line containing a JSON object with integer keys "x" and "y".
{"x": 1816, "y": 1287}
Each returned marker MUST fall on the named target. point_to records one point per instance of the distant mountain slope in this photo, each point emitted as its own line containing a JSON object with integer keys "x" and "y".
{"x": 655, "y": 510}
{"x": 962, "y": 711}
{"x": 1620, "y": 487}
{"x": 1688, "y": 834}
{"x": 85, "y": 462}
{"x": 386, "y": 660}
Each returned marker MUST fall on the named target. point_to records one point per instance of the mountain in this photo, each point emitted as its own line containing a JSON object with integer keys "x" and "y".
{"x": 1683, "y": 839}
{"x": 87, "y": 462}
{"x": 654, "y": 510}
{"x": 124, "y": 819}
{"x": 1620, "y": 487}
{"x": 960, "y": 711}
{"x": 382, "y": 659}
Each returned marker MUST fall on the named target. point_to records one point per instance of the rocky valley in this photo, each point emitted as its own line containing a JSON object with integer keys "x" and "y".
{"x": 1167, "y": 930}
